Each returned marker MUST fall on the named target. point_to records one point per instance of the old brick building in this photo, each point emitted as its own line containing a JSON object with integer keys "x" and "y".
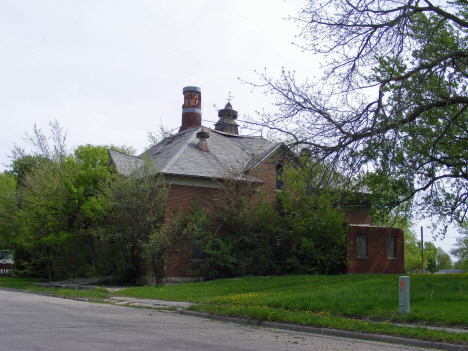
{"x": 197, "y": 159}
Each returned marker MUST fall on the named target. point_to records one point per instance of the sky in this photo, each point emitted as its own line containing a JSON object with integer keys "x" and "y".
{"x": 111, "y": 71}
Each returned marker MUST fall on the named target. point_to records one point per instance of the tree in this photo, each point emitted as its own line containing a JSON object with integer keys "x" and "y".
{"x": 241, "y": 230}
{"x": 460, "y": 249}
{"x": 139, "y": 232}
{"x": 314, "y": 219}
{"x": 444, "y": 261}
{"x": 57, "y": 203}
{"x": 392, "y": 99}
{"x": 430, "y": 254}
{"x": 8, "y": 208}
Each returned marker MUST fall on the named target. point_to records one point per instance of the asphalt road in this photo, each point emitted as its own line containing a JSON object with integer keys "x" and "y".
{"x": 36, "y": 322}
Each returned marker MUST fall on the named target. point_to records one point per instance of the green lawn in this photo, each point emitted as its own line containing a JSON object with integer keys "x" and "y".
{"x": 27, "y": 284}
{"x": 367, "y": 303}
{"x": 436, "y": 299}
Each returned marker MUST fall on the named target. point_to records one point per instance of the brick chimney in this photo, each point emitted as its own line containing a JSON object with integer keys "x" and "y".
{"x": 191, "y": 109}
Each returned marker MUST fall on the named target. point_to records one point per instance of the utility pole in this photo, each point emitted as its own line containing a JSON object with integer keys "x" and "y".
{"x": 422, "y": 251}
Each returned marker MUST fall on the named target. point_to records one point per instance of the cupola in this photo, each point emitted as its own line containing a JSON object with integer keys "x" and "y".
{"x": 227, "y": 120}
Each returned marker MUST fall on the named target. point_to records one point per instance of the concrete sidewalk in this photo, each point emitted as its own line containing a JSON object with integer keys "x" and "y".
{"x": 149, "y": 303}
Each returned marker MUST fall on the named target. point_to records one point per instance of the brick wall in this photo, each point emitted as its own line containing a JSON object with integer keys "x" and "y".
{"x": 377, "y": 261}
{"x": 267, "y": 174}
{"x": 359, "y": 215}
{"x": 180, "y": 261}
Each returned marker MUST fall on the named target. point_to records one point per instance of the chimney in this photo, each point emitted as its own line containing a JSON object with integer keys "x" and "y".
{"x": 227, "y": 120}
{"x": 191, "y": 109}
{"x": 202, "y": 144}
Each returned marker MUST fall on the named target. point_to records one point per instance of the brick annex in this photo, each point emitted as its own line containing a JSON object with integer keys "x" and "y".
{"x": 197, "y": 159}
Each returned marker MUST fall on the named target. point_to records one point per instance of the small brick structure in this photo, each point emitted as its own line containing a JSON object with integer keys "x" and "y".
{"x": 376, "y": 261}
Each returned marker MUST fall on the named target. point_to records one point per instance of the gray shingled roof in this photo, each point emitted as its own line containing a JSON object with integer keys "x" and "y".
{"x": 179, "y": 155}
{"x": 125, "y": 164}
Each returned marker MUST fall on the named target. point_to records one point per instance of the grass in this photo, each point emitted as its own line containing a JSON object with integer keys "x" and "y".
{"x": 435, "y": 299}
{"x": 363, "y": 303}
{"x": 28, "y": 284}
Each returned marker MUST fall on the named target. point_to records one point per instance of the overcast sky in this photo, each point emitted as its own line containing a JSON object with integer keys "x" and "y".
{"x": 111, "y": 71}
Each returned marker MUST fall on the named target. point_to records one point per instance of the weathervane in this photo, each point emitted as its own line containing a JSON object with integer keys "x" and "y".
{"x": 230, "y": 97}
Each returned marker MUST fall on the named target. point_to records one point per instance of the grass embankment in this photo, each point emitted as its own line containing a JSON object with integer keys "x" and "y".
{"x": 367, "y": 303}
{"x": 28, "y": 284}
{"x": 363, "y": 303}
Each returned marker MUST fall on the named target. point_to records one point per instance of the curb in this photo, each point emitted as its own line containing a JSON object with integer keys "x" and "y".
{"x": 330, "y": 332}
{"x": 66, "y": 286}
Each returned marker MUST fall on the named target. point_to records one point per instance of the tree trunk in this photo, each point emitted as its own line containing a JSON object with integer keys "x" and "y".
{"x": 49, "y": 268}
{"x": 158, "y": 270}
{"x": 93, "y": 252}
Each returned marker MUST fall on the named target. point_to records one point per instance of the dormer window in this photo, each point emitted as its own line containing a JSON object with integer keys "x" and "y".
{"x": 279, "y": 176}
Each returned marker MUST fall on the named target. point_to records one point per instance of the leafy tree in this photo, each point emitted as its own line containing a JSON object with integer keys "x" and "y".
{"x": 430, "y": 254}
{"x": 460, "y": 249}
{"x": 93, "y": 174}
{"x": 444, "y": 261}
{"x": 139, "y": 233}
{"x": 8, "y": 208}
{"x": 244, "y": 238}
{"x": 461, "y": 264}
{"x": 315, "y": 240}
{"x": 57, "y": 203}
{"x": 393, "y": 97}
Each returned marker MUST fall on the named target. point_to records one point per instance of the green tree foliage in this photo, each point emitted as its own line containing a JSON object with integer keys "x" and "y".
{"x": 8, "y": 208}
{"x": 392, "y": 98}
{"x": 57, "y": 204}
{"x": 244, "y": 240}
{"x": 250, "y": 234}
{"x": 315, "y": 240}
{"x": 444, "y": 261}
{"x": 460, "y": 249}
{"x": 430, "y": 254}
{"x": 138, "y": 233}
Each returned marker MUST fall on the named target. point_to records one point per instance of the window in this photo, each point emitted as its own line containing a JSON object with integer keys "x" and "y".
{"x": 361, "y": 246}
{"x": 391, "y": 248}
{"x": 279, "y": 176}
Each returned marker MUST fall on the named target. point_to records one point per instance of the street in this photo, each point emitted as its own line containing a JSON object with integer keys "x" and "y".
{"x": 37, "y": 322}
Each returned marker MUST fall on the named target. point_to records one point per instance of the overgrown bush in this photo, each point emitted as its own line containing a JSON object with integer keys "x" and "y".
{"x": 315, "y": 240}
{"x": 247, "y": 234}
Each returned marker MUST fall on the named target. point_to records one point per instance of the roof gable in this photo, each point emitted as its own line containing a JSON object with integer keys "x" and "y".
{"x": 123, "y": 163}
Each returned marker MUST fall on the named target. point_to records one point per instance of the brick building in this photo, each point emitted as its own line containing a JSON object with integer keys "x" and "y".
{"x": 197, "y": 159}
